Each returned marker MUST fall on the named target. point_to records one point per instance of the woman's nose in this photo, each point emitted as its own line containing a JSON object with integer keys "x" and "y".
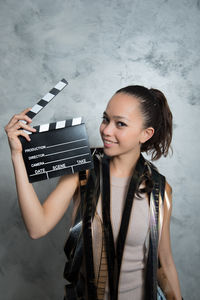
{"x": 107, "y": 129}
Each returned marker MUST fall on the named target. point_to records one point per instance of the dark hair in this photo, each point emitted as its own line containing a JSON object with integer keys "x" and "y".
{"x": 157, "y": 114}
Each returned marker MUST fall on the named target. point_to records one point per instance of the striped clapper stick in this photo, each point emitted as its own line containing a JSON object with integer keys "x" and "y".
{"x": 56, "y": 148}
{"x": 47, "y": 98}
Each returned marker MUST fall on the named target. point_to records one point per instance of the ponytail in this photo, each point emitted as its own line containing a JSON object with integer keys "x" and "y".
{"x": 157, "y": 114}
{"x": 162, "y": 137}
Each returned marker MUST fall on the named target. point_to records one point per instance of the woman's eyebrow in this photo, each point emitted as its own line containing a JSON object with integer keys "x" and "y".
{"x": 116, "y": 117}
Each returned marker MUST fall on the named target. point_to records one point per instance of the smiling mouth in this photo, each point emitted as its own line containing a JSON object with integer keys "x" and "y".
{"x": 108, "y": 142}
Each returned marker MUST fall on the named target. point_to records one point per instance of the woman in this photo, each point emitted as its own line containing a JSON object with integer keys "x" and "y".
{"x": 136, "y": 120}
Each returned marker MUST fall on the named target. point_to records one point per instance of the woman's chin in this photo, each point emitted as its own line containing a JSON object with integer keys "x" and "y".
{"x": 109, "y": 152}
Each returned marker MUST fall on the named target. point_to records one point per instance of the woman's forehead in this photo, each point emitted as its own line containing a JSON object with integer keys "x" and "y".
{"x": 123, "y": 104}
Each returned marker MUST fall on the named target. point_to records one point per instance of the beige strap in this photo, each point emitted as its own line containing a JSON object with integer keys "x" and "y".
{"x": 103, "y": 273}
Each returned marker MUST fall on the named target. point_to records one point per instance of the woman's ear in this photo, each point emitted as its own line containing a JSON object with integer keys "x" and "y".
{"x": 147, "y": 133}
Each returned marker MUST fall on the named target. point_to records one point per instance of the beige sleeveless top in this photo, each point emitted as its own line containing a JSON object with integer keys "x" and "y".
{"x": 131, "y": 284}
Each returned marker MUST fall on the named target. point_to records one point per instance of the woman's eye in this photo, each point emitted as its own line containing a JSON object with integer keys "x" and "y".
{"x": 105, "y": 119}
{"x": 121, "y": 124}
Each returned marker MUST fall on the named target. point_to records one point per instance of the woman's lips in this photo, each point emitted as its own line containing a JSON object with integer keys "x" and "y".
{"x": 108, "y": 143}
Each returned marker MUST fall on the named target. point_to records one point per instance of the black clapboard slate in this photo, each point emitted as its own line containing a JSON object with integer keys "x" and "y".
{"x": 56, "y": 148}
{"x": 57, "y": 152}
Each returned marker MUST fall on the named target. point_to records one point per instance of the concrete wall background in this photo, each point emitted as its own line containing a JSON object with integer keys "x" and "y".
{"x": 98, "y": 46}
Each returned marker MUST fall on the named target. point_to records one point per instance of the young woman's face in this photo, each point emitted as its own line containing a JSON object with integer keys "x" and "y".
{"x": 122, "y": 129}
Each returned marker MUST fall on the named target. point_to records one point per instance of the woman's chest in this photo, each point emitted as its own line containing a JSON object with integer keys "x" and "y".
{"x": 139, "y": 217}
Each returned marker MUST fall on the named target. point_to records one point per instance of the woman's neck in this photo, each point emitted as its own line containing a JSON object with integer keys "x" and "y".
{"x": 123, "y": 165}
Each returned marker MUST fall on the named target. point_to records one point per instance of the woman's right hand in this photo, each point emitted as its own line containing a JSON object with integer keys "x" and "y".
{"x": 15, "y": 128}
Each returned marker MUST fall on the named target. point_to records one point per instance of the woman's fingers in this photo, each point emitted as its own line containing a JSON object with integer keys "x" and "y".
{"x": 27, "y": 127}
{"x": 12, "y": 136}
{"x": 16, "y": 127}
{"x": 25, "y": 110}
{"x": 24, "y": 134}
{"x": 17, "y": 117}
{"x": 14, "y": 141}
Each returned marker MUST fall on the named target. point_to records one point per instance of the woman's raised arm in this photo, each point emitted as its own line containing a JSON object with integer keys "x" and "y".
{"x": 39, "y": 219}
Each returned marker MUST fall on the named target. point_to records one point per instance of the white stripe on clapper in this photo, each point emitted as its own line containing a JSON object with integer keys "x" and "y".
{"x": 76, "y": 121}
{"x": 48, "y": 97}
{"x": 36, "y": 108}
{"x": 44, "y": 127}
{"x": 60, "y": 85}
{"x": 60, "y": 124}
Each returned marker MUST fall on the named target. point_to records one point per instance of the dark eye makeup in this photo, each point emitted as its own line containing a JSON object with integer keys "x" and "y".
{"x": 106, "y": 120}
{"x": 121, "y": 124}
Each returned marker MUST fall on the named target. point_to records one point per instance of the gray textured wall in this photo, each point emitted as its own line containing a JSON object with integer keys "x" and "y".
{"x": 98, "y": 46}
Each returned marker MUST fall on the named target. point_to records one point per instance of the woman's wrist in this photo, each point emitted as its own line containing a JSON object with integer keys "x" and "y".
{"x": 15, "y": 156}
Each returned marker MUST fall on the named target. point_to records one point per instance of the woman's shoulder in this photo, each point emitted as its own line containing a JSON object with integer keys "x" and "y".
{"x": 168, "y": 188}
{"x": 155, "y": 173}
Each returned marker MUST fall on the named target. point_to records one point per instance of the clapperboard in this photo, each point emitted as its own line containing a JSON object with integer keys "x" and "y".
{"x": 56, "y": 148}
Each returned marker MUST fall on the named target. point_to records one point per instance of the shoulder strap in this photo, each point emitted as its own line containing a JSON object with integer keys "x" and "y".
{"x": 156, "y": 205}
{"x": 74, "y": 246}
{"x": 89, "y": 207}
